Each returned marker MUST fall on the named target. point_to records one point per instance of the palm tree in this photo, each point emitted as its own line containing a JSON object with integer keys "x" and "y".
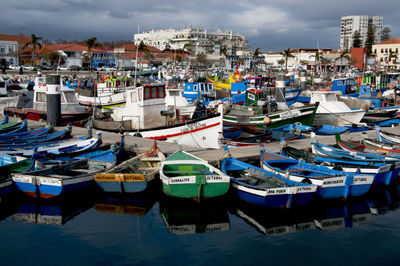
{"x": 343, "y": 55}
{"x": 35, "y": 44}
{"x": 318, "y": 57}
{"x": 91, "y": 43}
{"x": 286, "y": 53}
{"x": 257, "y": 52}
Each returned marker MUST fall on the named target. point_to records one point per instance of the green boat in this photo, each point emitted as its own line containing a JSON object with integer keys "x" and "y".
{"x": 7, "y": 127}
{"x": 259, "y": 112}
{"x": 184, "y": 175}
{"x": 253, "y": 119}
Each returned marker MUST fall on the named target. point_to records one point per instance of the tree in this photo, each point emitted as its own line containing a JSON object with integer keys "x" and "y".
{"x": 370, "y": 39}
{"x": 142, "y": 48}
{"x": 385, "y": 34}
{"x": 91, "y": 43}
{"x": 35, "y": 44}
{"x": 356, "y": 39}
{"x": 52, "y": 57}
{"x": 286, "y": 54}
{"x": 281, "y": 61}
{"x": 188, "y": 48}
{"x": 343, "y": 55}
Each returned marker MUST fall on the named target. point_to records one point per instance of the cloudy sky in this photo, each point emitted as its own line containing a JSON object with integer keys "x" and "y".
{"x": 270, "y": 25}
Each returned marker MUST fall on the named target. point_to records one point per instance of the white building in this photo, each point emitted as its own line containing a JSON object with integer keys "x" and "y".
{"x": 197, "y": 41}
{"x": 387, "y": 52}
{"x": 350, "y": 24}
{"x": 9, "y": 52}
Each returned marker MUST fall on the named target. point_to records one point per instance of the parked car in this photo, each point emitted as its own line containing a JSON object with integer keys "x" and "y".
{"x": 28, "y": 67}
{"x": 14, "y": 67}
{"x": 128, "y": 68}
{"x": 62, "y": 68}
{"x": 43, "y": 67}
{"x": 74, "y": 68}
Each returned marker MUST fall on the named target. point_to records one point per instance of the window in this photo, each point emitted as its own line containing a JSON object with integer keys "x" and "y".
{"x": 10, "y": 49}
{"x": 154, "y": 92}
{"x": 147, "y": 93}
{"x": 70, "y": 96}
{"x": 194, "y": 87}
{"x": 41, "y": 97}
{"x": 2, "y": 49}
{"x": 161, "y": 92}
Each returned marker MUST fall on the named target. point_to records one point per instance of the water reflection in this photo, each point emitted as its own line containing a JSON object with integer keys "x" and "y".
{"x": 322, "y": 215}
{"x": 186, "y": 217}
{"x": 137, "y": 204}
{"x": 56, "y": 212}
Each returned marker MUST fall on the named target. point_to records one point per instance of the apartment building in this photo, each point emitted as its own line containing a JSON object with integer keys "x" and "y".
{"x": 351, "y": 24}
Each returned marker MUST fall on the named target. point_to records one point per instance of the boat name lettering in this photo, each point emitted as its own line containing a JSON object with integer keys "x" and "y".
{"x": 276, "y": 191}
{"x": 180, "y": 180}
{"x": 193, "y": 126}
{"x": 360, "y": 179}
{"x": 214, "y": 177}
{"x": 333, "y": 182}
{"x": 289, "y": 114}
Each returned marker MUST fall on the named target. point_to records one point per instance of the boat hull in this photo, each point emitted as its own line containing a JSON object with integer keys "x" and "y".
{"x": 338, "y": 119}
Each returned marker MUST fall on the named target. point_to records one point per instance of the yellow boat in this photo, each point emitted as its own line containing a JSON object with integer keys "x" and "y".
{"x": 225, "y": 85}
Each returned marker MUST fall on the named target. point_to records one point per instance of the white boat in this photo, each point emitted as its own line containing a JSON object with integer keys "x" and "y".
{"x": 331, "y": 111}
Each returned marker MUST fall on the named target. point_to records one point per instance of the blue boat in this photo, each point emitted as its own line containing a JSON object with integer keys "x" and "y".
{"x": 263, "y": 188}
{"x": 198, "y": 91}
{"x": 384, "y": 174}
{"x": 329, "y": 151}
{"x": 331, "y": 183}
{"x": 36, "y": 139}
{"x": 57, "y": 180}
{"x": 23, "y": 134}
{"x": 232, "y": 132}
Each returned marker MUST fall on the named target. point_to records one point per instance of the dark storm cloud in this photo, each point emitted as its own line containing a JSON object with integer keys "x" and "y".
{"x": 270, "y": 25}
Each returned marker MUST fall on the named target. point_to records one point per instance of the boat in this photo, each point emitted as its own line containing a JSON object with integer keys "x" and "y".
{"x": 263, "y": 188}
{"x": 331, "y": 183}
{"x": 331, "y": 111}
{"x": 28, "y": 139}
{"x": 361, "y": 147}
{"x": 133, "y": 175}
{"x": 108, "y": 92}
{"x": 199, "y": 92}
{"x": 12, "y": 164}
{"x": 5, "y": 120}
{"x": 31, "y": 133}
{"x": 252, "y": 117}
{"x": 202, "y": 132}
{"x": 54, "y": 147}
{"x": 329, "y": 151}
{"x": 384, "y": 136}
{"x": 184, "y": 175}
{"x": 12, "y": 126}
{"x": 57, "y": 180}
{"x": 34, "y": 107}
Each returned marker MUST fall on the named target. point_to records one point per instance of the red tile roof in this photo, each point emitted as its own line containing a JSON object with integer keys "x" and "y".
{"x": 73, "y": 47}
{"x": 133, "y": 47}
{"x": 20, "y": 39}
{"x": 391, "y": 41}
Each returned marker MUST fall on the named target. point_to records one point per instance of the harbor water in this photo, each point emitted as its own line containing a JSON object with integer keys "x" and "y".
{"x": 91, "y": 228}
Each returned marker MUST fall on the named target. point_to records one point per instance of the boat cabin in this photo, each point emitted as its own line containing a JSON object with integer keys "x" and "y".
{"x": 200, "y": 92}
{"x": 344, "y": 85}
{"x": 143, "y": 106}
{"x": 69, "y": 102}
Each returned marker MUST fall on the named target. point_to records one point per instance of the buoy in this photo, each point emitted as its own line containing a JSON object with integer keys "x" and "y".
{"x": 267, "y": 120}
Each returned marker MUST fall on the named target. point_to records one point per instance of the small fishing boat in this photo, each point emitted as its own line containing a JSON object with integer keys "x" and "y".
{"x": 384, "y": 136}
{"x": 12, "y": 126}
{"x": 133, "y": 175}
{"x": 55, "y": 147}
{"x": 31, "y": 133}
{"x": 360, "y": 147}
{"x": 57, "y": 180}
{"x": 329, "y": 151}
{"x": 28, "y": 139}
{"x": 331, "y": 183}
{"x": 260, "y": 187}
{"x": 184, "y": 175}
{"x": 12, "y": 164}
{"x": 5, "y": 120}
